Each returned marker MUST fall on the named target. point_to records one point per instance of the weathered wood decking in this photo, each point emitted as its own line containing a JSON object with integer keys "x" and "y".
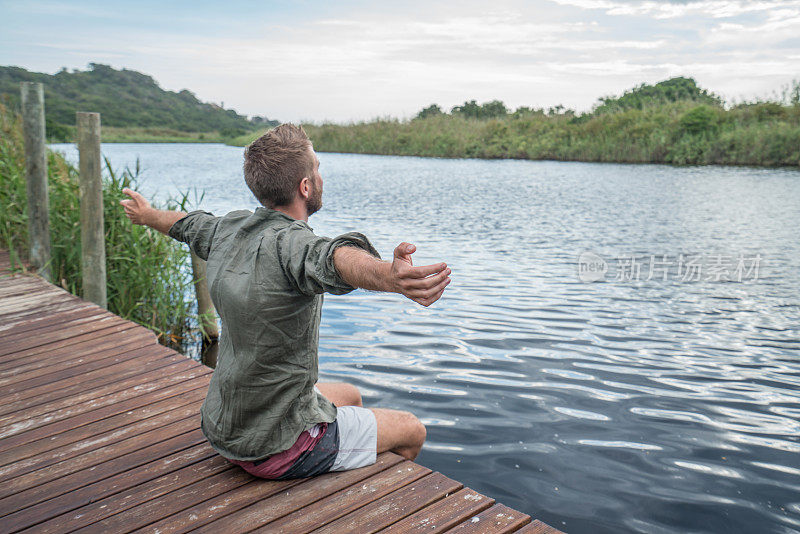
{"x": 99, "y": 432}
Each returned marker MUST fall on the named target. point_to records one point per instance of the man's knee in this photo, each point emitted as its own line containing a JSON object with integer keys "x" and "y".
{"x": 340, "y": 393}
{"x": 421, "y": 432}
{"x": 415, "y": 430}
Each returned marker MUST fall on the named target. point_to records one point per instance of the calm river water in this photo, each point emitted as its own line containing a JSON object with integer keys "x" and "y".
{"x": 664, "y": 397}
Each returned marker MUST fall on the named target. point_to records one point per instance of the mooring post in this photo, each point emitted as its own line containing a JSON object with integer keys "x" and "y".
{"x": 93, "y": 246}
{"x": 36, "y": 176}
{"x": 205, "y": 307}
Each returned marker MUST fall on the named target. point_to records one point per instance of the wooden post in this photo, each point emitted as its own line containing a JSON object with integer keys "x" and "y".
{"x": 36, "y": 174}
{"x": 205, "y": 307}
{"x": 93, "y": 246}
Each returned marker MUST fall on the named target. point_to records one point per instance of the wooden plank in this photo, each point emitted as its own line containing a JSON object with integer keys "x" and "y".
{"x": 444, "y": 514}
{"x": 42, "y": 484}
{"x": 94, "y": 379}
{"x": 75, "y": 347}
{"x": 537, "y": 527}
{"x": 55, "y": 322}
{"x": 9, "y": 282}
{"x": 105, "y": 362}
{"x": 58, "y": 332}
{"x": 6, "y": 271}
{"x": 104, "y": 432}
{"x": 27, "y": 431}
{"x": 346, "y": 500}
{"x": 94, "y": 492}
{"x": 20, "y": 292}
{"x": 24, "y": 285}
{"x": 497, "y": 519}
{"x": 28, "y": 299}
{"x": 156, "y": 489}
{"x": 56, "y": 345}
{"x": 9, "y": 285}
{"x": 155, "y": 509}
{"x": 17, "y": 275}
{"x": 45, "y": 321}
{"x": 307, "y": 492}
{"x": 53, "y": 376}
{"x": 23, "y": 302}
{"x": 65, "y": 302}
{"x": 61, "y": 334}
{"x": 11, "y": 321}
{"x": 78, "y": 432}
{"x": 44, "y": 298}
{"x": 157, "y": 367}
{"x": 71, "y": 406}
{"x": 11, "y": 314}
{"x": 102, "y": 353}
{"x": 395, "y": 506}
{"x": 13, "y": 288}
{"x": 79, "y": 351}
{"x": 69, "y": 489}
{"x": 213, "y": 508}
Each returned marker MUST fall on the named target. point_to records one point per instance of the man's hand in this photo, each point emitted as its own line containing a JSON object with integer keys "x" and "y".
{"x": 423, "y": 285}
{"x": 137, "y": 208}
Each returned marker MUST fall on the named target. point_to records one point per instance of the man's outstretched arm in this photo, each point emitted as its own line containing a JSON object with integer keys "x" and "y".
{"x": 139, "y": 211}
{"x": 424, "y": 284}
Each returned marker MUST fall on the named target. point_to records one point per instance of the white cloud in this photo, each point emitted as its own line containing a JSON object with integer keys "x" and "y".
{"x": 775, "y": 30}
{"x": 666, "y": 9}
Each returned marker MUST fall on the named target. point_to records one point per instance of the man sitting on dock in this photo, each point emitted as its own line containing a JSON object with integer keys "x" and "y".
{"x": 267, "y": 271}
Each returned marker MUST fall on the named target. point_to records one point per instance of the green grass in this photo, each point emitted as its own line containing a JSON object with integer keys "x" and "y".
{"x": 115, "y": 134}
{"x": 146, "y": 271}
{"x": 157, "y": 135}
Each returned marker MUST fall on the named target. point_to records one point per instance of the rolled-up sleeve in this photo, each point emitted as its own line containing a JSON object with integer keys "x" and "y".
{"x": 197, "y": 229}
{"x": 307, "y": 259}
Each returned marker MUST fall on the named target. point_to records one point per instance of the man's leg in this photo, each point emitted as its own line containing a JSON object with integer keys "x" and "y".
{"x": 340, "y": 393}
{"x": 400, "y": 432}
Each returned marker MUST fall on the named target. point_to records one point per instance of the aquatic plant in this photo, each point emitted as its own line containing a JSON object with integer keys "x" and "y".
{"x": 147, "y": 278}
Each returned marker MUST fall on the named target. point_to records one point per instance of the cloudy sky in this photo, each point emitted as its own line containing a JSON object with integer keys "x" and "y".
{"x": 342, "y": 61}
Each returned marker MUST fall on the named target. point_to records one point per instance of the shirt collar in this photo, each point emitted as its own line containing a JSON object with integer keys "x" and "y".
{"x": 262, "y": 211}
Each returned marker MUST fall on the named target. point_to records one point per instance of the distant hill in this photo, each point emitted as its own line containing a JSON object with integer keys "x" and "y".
{"x": 126, "y": 99}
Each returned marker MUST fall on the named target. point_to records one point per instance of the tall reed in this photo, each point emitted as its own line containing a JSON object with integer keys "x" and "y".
{"x": 148, "y": 281}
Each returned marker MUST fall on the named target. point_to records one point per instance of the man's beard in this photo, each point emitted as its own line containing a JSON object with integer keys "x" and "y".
{"x": 314, "y": 202}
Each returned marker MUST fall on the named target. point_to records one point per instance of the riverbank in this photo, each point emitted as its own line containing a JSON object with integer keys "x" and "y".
{"x": 674, "y": 121}
{"x": 146, "y": 279}
{"x": 112, "y": 134}
{"x": 116, "y": 134}
{"x": 762, "y": 134}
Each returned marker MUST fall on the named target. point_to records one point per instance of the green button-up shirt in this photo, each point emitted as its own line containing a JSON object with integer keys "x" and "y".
{"x": 266, "y": 275}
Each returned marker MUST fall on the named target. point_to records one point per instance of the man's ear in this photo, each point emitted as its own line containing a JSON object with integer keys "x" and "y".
{"x": 304, "y": 189}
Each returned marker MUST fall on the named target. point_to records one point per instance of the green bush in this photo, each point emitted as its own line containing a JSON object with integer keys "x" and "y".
{"x": 699, "y": 119}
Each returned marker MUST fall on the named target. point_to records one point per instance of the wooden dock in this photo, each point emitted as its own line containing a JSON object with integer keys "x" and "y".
{"x": 100, "y": 432}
